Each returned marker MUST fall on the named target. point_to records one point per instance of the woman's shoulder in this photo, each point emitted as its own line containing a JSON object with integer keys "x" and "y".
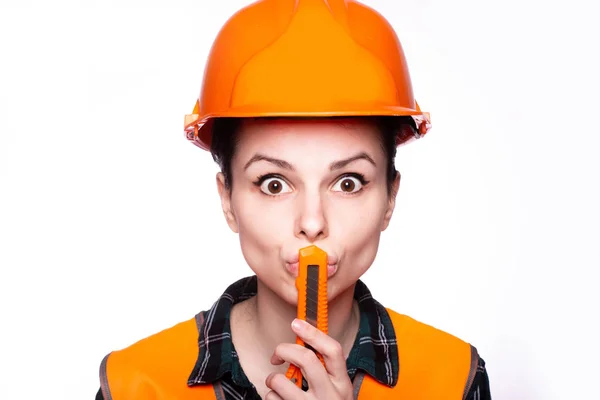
{"x": 412, "y": 329}
{"x": 157, "y": 359}
{"x": 174, "y": 340}
{"x": 419, "y": 342}
{"x": 167, "y": 349}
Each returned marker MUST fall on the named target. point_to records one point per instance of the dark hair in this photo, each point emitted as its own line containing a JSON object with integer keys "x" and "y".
{"x": 224, "y": 142}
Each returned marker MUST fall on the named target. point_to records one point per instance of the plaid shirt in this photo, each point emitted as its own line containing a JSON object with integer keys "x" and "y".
{"x": 374, "y": 352}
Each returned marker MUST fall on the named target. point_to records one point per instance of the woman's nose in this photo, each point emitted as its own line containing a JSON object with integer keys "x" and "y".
{"x": 311, "y": 223}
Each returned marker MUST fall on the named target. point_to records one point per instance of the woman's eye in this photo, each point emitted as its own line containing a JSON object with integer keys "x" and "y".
{"x": 348, "y": 184}
{"x": 274, "y": 186}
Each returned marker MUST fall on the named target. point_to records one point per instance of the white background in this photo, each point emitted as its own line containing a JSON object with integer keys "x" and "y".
{"x": 109, "y": 219}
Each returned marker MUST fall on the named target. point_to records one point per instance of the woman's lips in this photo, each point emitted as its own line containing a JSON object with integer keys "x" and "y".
{"x": 292, "y": 268}
{"x": 332, "y": 259}
{"x": 292, "y": 263}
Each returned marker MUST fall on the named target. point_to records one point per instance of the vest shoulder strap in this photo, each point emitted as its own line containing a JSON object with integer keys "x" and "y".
{"x": 156, "y": 367}
{"x": 433, "y": 364}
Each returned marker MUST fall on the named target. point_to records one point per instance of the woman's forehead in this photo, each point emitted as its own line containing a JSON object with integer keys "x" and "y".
{"x": 283, "y": 133}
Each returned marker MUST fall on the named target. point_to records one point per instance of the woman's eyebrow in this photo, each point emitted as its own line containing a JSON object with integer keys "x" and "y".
{"x": 332, "y": 167}
{"x": 261, "y": 157}
{"x": 342, "y": 163}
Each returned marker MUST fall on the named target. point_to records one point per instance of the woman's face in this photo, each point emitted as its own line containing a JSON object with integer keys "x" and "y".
{"x": 303, "y": 182}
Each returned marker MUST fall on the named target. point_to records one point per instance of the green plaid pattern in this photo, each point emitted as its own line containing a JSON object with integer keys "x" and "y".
{"x": 374, "y": 351}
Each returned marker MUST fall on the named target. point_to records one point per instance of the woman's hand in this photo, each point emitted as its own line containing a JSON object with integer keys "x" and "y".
{"x": 330, "y": 382}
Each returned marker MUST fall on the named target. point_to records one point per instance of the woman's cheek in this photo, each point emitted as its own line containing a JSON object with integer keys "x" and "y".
{"x": 260, "y": 231}
{"x": 355, "y": 221}
{"x": 257, "y": 214}
{"x": 359, "y": 234}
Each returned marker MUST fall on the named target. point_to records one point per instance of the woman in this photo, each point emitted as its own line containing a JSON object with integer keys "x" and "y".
{"x": 303, "y": 105}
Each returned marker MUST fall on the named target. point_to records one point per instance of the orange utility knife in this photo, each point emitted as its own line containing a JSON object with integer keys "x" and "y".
{"x": 312, "y": 298}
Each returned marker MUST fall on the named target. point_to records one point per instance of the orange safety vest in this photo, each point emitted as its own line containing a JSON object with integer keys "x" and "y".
{"x": 434, "y": 365}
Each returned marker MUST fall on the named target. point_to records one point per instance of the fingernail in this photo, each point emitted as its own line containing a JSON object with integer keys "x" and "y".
{"x": 297, "y": 324}
{"x": 275, "y": 359}
{"x": 268, "y": 380}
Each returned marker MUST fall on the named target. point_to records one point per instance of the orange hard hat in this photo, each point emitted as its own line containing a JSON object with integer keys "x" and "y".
{"x": 305, "y": 58}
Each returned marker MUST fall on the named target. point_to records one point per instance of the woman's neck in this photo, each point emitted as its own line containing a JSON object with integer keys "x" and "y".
{"x": 262, "y": 322}
{"x": 274, "y": 318}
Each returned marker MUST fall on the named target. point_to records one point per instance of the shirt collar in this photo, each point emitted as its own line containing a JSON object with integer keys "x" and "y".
{"x": 374, "y": 351}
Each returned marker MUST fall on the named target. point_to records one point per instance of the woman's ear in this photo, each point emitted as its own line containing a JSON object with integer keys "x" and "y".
{"x": 225, "y": 194}
{"x": 391, "y": 202}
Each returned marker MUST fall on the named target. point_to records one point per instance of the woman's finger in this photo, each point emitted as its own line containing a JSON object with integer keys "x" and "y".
{"x": 271, "y": 395}
{"x": 282, "y": 388}
{"x": 315, "y": 373}
{"x": 328, "y": 347}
